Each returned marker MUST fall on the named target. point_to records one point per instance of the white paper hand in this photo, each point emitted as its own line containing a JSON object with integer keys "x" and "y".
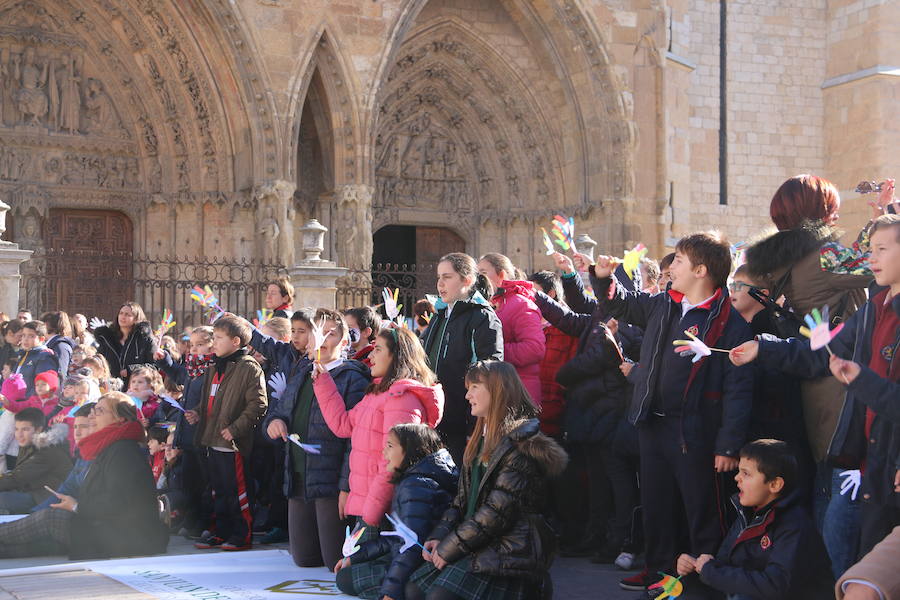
{"x": 851, "y": 483}
{"x": 350, "y": 548}
{"x": 277, "y": 382}
{"x": 96, "y": 322}
{"x": 391, "y": 308}
{"x": 318, "y": 332}
{"x": 402, "y": 531}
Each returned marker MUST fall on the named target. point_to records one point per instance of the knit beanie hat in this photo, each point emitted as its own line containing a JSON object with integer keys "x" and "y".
{"x": 14, "y": 388}
{"x": 51, "y": 378}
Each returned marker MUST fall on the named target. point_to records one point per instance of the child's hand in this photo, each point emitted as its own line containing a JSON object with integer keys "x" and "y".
{"x": 582, "y": 262}
{"x": 563, "y": 262}
{"x": 438, "y": 562}
{"x": 341, "y": 564}
{"x": 277, "y": 429}
{"x": 845, "y": 370}
{"x": 192, "y": 417}
{"x": 626, "y": 368}
{"x": 725, "y": 464}
{"x": 701, "y": 561}
{"x": 318, "y": 369}
{"x": 885, "y": 198}
{"x": 342, "y": 504}
{"x": 744, "y": 354}
{"x": 225, "y": 433}
{"x": 429, "y": 548}
{"x": 159, "y": 354}
{"x": 65, "y": 502}
{"x": 685, "y": 565}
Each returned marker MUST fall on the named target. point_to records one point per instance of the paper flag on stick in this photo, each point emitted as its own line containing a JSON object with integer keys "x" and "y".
{"x": 308, "y": 448}
{"x": 818, "y": 331}
{"x": 548, "y": 243}
{"x": 671, "y": 586}
{"x": 207, "y": 299}
{"x": 632, "y": 259}
{"x": 695, "y": 346}
{"x": 564, "y": 230}
{"x": 402, "y": 531}
{"x": 391, "y": 308}
{"x": 350, "y": 548}
{"x": 168, "y": 322}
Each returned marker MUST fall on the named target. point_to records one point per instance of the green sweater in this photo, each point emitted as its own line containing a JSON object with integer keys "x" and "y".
{"x": 300, "y": 424}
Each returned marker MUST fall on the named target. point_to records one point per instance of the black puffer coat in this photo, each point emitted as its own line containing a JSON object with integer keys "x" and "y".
{"x": 420, "y": 500}
{"x": 508, "y": 535}
{"x": 137, "y": 351}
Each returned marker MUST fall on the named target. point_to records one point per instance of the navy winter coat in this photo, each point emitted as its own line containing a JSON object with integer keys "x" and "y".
{"x": 773, "y": 554}
{"x": 191, "y": 396}
{"x": 882, "y": 450}
{"x": 329, "y": 472}
{"x": 420, "y": 499}
{"x": 718, "y": 398}
{"x": 62, "y": 347}
{"x": 34, "y": 362}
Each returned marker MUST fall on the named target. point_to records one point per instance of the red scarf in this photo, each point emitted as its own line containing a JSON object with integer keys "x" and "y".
{"x": 91, "y": 446}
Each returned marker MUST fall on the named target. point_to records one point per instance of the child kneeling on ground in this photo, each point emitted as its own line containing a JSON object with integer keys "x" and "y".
{"x": 773, "y": 549}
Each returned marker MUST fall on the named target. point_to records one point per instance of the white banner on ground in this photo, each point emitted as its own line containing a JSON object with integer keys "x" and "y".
{"x": 256, "y": 575}
{"x": 8, "y": 518}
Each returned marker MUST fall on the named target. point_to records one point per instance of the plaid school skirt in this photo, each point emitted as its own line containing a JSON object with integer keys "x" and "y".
{"x": 459, "y": 578}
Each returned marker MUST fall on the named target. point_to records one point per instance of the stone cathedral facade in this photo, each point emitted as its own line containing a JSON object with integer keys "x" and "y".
{"x": 135, "y": 130}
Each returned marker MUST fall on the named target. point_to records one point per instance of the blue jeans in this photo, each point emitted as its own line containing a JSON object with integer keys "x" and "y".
{"x": 837, "y": 519}
{"x": 15, "y": 503}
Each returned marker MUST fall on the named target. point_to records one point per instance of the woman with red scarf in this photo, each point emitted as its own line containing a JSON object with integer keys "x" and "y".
{"x": 116, "y": 512}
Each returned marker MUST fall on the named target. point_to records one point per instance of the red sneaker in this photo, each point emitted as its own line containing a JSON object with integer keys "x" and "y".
{"x": 639, "y": 582}
{"x": 231, "y": 547}
{"x": 209, "y": 543}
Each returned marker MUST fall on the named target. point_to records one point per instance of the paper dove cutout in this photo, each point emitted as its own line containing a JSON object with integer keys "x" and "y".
{"x": 95, "y": 323}
{"x": 632, "y": 259}
{"x": 173, "y": 402}
{"x": 818, "y": 331}
{"x": 402, "y": 531}
{"x": 308, "y": 448}
{"x": 548, "y": 243}
{"x": 391, "y": 308}
{"x": 671, "y": 586}
{"x": 278, "y": 382}
{"x": 851, "y": 483}
{"x": 350, "y": 548}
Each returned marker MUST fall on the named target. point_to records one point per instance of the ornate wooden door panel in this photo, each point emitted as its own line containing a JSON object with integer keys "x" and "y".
{"x": 89, "y": 261}
{"x": 431, "y": 244}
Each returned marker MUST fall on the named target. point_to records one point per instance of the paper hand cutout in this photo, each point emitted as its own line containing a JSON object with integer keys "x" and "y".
{"x": 95, "y": 323}
{"x": 262, "y": 317}
{"x": 632, "y": 259}
{"x": 391, "y": 308}
{"x": 671, "y": 586}
{"x": 695, "y": 346}
{"x": 548, "y": 243}
{"x": 319, "y": 335}
{"x": 350, "y": 548}
{"x": 207, "y": 299}
{"x": 564, "y": 231}
{"x": 172, "y": 402}
{"x": 168, "y": 322}
{"x": 402, "y": 531}
{"x": 818, "y": 331}
{"x": 308, "y": 448}
{"x": 851, "y": 483}
{"x": 278, "y": 382}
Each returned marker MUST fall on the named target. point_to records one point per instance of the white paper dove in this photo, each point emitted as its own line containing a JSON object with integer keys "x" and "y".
{"x": 278, "y": 382}
{"x": 402, "y": 531}
{"x": 851, "y": 483}
{"x": 308, "y": 448}
{"x": 350, "y": 548}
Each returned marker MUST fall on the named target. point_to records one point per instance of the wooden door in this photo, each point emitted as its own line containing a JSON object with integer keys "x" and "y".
{"x": 89, "y": 261}
{"x": 431, "y": 244}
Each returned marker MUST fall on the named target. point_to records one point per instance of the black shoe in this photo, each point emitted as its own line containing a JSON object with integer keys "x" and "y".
{"x": 209, "y": 543}
{"x": 639, "y": 582}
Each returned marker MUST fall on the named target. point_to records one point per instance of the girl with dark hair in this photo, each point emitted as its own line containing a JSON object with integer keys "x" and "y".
{"x": 403, "y": 390}
{"x": 59, "y": 330}
{"x": 465, "y": 329}
{"x": 128, "y": 343}
{"x": 425, "y": 478}
{"x": 493, "y": 542}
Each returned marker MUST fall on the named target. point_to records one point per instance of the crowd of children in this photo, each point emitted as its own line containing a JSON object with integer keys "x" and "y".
{"x": 675, "y": 419}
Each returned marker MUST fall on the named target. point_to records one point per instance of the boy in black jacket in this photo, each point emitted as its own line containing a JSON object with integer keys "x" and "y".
{"x": 692, "y": 415}
{"x": 773, "y": 549}
{"x": 869, "y": 423}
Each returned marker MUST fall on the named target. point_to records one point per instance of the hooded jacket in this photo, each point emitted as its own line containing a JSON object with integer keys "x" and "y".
{"x": 35, "y": 361}
{"x": 473, "y": 332}
{"x": 45, "y": 462}
{"x": 718, "y": 397}
{"x": 137, "y": 351}
{"x": 239, "y": 405}
{"x": 809, "y": 287}
{"x": 367, "y": 425}
{"x": 420, "y": 499}
{"x": 327, "y": 473}
{"x": 507, "y": 535}
{"x": 523, "y": 335}
{"x": 62, "y": 347}
{"x": 772, "y": 554}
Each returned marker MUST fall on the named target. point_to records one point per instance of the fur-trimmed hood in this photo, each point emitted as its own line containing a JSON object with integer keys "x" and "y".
{"x": 56, "y": 434}
{"x": 528, "y": 439}
{"x": 782, "y": 249}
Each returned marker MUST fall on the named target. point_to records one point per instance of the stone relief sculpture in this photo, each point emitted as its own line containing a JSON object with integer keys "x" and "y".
{"x": 354, "y": 227}
{"x": 269, "y": 232}
{"x": 31, "y": 98}
{"x": 69, "y": 83}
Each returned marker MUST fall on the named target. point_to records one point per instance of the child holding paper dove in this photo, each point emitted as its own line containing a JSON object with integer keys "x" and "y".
{"x": 403, "y": 390}
{"x": 861, "y": 357}
{"x": 523, "y": 334}
{"x": 493, "y": 542}
{"x": 233, "y": 400}
{"x": 426, "y": 482}
{"x": 317, "y": 485}
{"x": 464, "y": 329}
{"x": 692, "y": 412}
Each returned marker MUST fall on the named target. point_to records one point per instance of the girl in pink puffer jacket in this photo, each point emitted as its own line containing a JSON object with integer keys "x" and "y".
{"x": 403, "y": 390}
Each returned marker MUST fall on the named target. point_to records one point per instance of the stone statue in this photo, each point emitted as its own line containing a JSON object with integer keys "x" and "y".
{"x": 269, "y": 232}
{"x": 5, "y": 82}
{"x": 354, "y": 227}
{"x": 69, "y": 95}
{"x": 31, "y": 99}
{"x": 100, "y": 117}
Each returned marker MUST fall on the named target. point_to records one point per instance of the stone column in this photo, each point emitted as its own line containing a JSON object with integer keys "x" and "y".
{"x": 11, "y": 257}
{"x": 314, "y": 279}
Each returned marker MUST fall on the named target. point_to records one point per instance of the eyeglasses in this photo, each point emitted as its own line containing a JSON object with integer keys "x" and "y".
{"x": 98, "y": 410}
{"x": 736, "y": 286}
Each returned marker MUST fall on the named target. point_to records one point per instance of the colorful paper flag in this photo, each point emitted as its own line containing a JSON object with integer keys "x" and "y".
{"x": 564, "y": 230}
{"x": 819, "y": 330}
{"x": 263, "y": 316}
{"x": 168, "y": 322}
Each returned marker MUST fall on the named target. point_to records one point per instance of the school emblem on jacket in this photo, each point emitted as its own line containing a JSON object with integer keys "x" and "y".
{"x": 693, "y": 330}
{"x": 765, "y": 542}
{"x": 888, "y": 353}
